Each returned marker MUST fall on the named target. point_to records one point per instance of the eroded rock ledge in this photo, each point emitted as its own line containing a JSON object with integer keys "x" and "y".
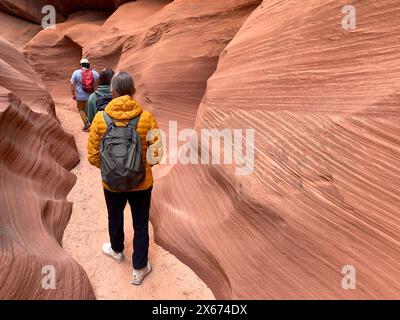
{"x": 324, "y": 104}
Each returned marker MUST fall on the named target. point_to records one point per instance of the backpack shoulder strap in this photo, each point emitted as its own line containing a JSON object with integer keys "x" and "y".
{"x": 134, "y": 122}
{"x": 109, "y": 121}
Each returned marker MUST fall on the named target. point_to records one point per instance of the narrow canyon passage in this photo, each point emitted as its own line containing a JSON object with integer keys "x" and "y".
{"x": 87, "y": 231}
{"x": 285, "y": 90}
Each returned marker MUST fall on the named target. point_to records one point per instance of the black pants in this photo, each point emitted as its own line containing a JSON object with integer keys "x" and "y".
{"x": 139, "y": 202}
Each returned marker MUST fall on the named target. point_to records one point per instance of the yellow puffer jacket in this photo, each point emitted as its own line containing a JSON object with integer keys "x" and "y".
{"x": 122, "y": 110}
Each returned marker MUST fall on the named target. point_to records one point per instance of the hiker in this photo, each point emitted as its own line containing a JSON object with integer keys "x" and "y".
{"x": 124, "y": 142}
{"x": 82, "y": 86}
{"x": 102, "y": 96}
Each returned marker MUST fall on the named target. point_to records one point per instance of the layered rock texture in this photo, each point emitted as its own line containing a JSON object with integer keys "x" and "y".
{"x": 324, "y": 106}
{"x": 35, "y": 158}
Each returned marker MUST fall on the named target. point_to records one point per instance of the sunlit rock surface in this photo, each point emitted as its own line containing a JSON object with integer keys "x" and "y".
{"x": 323, "y": 103}
{"x": 35, "y": 158}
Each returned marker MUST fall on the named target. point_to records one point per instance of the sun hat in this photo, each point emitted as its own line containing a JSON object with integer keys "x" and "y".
{"x": 85, "y": 61}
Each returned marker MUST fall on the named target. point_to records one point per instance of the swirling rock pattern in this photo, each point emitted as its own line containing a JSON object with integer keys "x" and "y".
{"x": 324, "y": 105}
{"x": 55, "y": 54}
{"x": 16, "y": 30}
{"x": 150, "y": 40}
{"x": 35, "y": 158}
{"x": 325, "y": 191}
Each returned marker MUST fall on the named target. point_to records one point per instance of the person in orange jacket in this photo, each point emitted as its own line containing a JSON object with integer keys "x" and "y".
{"x": 122, "y": 109}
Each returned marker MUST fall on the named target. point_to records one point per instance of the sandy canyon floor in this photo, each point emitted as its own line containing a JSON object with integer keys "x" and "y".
{"x": 87, "y": 231}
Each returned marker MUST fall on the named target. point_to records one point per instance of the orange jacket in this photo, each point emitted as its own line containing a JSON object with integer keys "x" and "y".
{"x": 123, "y": 109}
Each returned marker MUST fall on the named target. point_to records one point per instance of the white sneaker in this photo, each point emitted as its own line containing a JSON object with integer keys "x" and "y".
{"x": 139, "y": 275}
{"x": 109, "y": 252}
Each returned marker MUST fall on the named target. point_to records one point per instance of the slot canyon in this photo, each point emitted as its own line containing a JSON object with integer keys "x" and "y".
{"x": 323, "y": 103}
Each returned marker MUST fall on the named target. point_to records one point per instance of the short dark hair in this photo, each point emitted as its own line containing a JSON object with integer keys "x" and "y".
{"x": 86, "y": 65}
{"x": 106, "y": 76}
{"x": 122, "y": 84}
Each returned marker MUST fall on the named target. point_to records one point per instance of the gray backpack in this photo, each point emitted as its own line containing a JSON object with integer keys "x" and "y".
{"x": 121, "y": 155}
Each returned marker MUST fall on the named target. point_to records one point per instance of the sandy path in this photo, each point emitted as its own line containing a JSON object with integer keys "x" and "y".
{"x": 87, "y": 231}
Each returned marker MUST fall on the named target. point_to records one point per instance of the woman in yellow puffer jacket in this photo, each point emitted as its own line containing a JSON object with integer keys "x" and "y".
{"x": 122, "y": 109}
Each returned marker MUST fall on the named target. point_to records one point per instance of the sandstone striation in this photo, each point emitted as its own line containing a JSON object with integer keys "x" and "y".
{"x": 35, "y": 158}
{"x": 323, "y": 192}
